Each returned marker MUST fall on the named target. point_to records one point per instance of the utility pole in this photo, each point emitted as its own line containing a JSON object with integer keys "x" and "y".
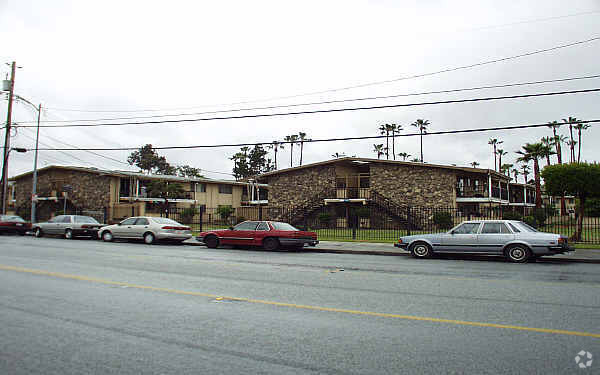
{"x": 35, "y": 159}
{"x": 7, "y": 136}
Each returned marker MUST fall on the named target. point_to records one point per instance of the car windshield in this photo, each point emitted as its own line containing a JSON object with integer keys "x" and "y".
{"x": 283, "y": 226}
{"x": 526, "y": 227}
{"x": 164, "y": 220}
{"x": 17, "y": 219}
{"x": 86, "y": 220}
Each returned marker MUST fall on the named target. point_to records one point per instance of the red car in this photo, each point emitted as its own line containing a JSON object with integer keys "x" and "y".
{"x": 13, "y": 224}
{"x": 269, "y": 234}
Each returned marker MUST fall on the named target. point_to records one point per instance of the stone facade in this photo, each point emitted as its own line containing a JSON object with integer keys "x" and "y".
{"x": 297, "y": 187}
{"x": 415, "y": 185}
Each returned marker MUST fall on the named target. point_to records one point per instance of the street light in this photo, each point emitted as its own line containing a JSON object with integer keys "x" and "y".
{"x": 5, "y": 179}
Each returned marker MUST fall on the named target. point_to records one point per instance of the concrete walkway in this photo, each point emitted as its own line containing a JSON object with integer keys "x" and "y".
{"x": 371, "y": 248}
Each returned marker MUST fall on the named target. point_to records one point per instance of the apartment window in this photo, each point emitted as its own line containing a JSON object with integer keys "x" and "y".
{"x": 200, "y": 188}
{"x": 124, "y": 189}
{"x": 225, "y": 189}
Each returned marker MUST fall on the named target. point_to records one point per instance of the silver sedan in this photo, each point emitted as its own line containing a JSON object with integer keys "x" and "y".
{"x": 515, "y": 240}
{"x": 148, "y": 228}
{"x": 68, "y": 226}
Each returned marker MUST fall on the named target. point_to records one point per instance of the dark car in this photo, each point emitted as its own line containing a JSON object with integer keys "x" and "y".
{"x": 69, "y": 226}
{"x": 14, "y": 224}
{"x": 268, "y": 234}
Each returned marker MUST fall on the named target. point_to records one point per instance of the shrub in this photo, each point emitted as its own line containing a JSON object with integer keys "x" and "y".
{"x": 540, "y": 216}
{"x": 324, "y": 217}
{"x": 187, "y": 215}
{"x": 225, "y": 212}
{"x": 443, "y": 219}
{"x": 530, "y": 220}
{"x": 592, "y": 207}
{"x": 512, "y": 215}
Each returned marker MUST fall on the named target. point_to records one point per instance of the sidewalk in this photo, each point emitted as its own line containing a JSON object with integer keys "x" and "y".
{"x": 371, "y": 248}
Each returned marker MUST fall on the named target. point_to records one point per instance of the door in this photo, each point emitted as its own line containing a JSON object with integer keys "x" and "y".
{"x": 262, "y": 230}
{"x": 242, "y": 234}
{"x": 125, "y": 229}
{"x": 493, "y": 236}
{"x": 140, "y": 227}
{"x": 51, "y": 226}
{"x": 461, "y": 239}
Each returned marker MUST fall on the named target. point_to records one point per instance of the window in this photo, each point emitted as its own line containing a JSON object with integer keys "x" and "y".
{"x": 262, "y": 226}
{"x": 85, "y": 220}
{"x": 225, "y": 189}
{"x": 283, "y": 226}
{"x": 125, "y": 187}
{"x": 466, "y": 228}
{"x": 201, "y": 188}
{"x": 142, "y": 221}
{"x": 246, "y": 225}
{"x": 164, "y": 220}
{"x": 494, "y": 228}
{"x": 65, "y": 219}
{"x": 514, "y": 228}
{"x": 129, "y": 221}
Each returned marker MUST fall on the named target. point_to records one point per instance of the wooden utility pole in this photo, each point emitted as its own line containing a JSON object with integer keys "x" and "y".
{"x": 7, "y": 135}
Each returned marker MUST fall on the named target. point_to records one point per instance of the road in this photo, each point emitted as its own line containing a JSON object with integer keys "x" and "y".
{"x": 82, "y": 306}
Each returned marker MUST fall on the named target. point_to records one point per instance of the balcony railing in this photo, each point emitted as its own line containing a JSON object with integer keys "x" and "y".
{"x": 471, "y": 192}
{"x": 353, "y": 193}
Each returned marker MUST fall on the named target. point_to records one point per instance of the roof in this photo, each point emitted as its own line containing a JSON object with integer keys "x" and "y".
{"x": 117, "y": 173}
{"x": 379, "y": 161}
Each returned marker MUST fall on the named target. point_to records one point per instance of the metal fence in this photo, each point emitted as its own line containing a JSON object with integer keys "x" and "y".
{"x": 381, "y": 223}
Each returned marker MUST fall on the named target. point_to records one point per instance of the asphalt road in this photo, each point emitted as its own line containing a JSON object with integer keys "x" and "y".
{"x": 81, "y": 306}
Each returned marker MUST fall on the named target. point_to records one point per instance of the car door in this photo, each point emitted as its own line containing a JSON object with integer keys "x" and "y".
{"x": 493, "y": 236}
{"x": 461, "y": 239}
{"x": 125, "y": 228}
{"x": 241, "y": 234}
{"x": 262, "y": 230}
{"x": 140, "y": 227}
{"x": 50, "y": 227}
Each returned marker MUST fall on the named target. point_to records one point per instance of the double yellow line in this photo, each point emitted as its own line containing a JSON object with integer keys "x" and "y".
{"x": 296, "y": 306}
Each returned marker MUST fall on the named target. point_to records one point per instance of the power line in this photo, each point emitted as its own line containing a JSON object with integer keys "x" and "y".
{"x": 532, "y": 21}
{"x": 460, "y": 131}
{"x": 446, "y": 70}
{"x": 333, "y": 101}
{"x": 322, "y": 110}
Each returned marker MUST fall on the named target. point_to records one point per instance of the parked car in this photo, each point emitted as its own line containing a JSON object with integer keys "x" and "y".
{"x": 515, "y": 240}
{"x": 14, "y": 224}
{"x": 268, "y": 234}
{"x": 69, "y": 226}
{"x": 148, "y": 228}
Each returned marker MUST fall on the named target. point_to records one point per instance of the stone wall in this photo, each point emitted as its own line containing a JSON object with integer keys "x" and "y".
{"x": 295, "y": 188}
{"x": 415, "y": 185}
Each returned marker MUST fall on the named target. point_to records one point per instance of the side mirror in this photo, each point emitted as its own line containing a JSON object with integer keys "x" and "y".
{"x": 230, "y": 228}
{"x": 119, "y": 224}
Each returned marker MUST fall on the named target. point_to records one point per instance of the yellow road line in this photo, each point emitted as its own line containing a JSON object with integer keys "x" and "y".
{"x": 296, "y": 306}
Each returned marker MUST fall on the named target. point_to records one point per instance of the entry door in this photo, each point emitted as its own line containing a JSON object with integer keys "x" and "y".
{"x": 493, "y": 236}
{"x": 461, "y": 239}
{"x": 126, "y": 228}
{"x": 141, "y": 226}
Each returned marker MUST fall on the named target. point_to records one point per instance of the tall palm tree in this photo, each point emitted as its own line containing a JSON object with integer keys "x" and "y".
{"x": 388, "y": 129}
{"x": 291, "y": 139}
{"x": 494, "y": 142}
{"x": 555, "y": 125}
{"x": 533, "y": 151}
{"x": 395, "y": 129}
{"x": 275, "y": 146}
{"x": 515, "y": 171}
{"x": 548, "y": 145}
{"x": 302, "y": 138}
{"x": 404, "y": 155}
{"x": 505, "y": 169}
{"x": 379, "y": 150}
{"x": 525, "y": 173}
{"x": 571, "y": 121}
{"x": 474, "y": 164}
{"x": 571, "y": 143}
{"x": 500, "y": 153}
{"x": 580, "y": 127}
{"x": 422, "y": 126}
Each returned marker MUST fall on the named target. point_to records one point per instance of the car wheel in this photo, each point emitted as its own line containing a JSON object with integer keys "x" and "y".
{"x": 107, "y": 236}
{"x": 518, "y": 253}
{"x": 211, "y": 242}
{"x": 69, "y": 234}
{"x": 38, "y": 232}
{"x": 149, "y": 238}
{"x": 421, "y": 250}
{"x": 271, "y": 244}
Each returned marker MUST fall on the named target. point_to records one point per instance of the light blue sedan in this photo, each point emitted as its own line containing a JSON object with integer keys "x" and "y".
{"x": 515, "y": 240}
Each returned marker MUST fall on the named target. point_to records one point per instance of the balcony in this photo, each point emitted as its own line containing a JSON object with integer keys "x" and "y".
{"x": 481, "y": 192}
{"x": 353, "y": 193}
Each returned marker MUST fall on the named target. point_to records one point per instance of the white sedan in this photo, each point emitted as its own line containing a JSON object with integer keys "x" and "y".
{"x": 150, "y": 229}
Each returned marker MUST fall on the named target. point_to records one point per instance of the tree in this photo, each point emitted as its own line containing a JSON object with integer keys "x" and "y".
{"x": 516, "y": 173}
{"x": 501, "y": 153}
{"x": 250, "y": 162}
{"x": 422, "y": 126}
{"x": 404, "y": 155}
{"x": 385, "y": 129}
{"x": 416, "y": 160}
{"x": 225, "y": 212}
{"x": 572, "y": 142}
{"x": 533, "y": 151}
{"x": 548, "y": 144}
{"x": 379, "y": 150}
{"x": 395, "y": 129}
{"x": 302, "y": 138}
{"x": 148, "y": 160}
{"x": 494, "y": 142}
{"x": 188, "y": 171}
{"x": 505, "y": 169}
{"x": 555, "y": 125}
{"x": 581, "y": 180}
{"x": 165, "y": 190}
{"x": 275, "y": 146}
{"x": 525, "y": 173}
{"x": 474, "y": 164}
{"x": 580, "y": 127}
{"x": 291, "y": 139}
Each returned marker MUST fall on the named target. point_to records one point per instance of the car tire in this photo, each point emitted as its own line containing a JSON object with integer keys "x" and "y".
{"x": 211, "y": 241}
{"x": 107, "y": 236}
{"x": 149, "y": 238}
{"x": 518, "y": 253}
{"x": 69, "y": 234}
{"x": 421, "y": 250}
{"x": 38, "y": 232}
{"x": 271, "y": 244}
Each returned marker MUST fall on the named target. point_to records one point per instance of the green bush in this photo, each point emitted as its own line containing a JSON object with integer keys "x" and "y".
{"x": 187, "y": 215}
{"x": 324, "y": 217}
{"x": 592, "y": 207}
{"x": 540, "y": 216}
{"x": 443, "y": 219}
{"x": 225, "y": 212}
{"x": 512, "y": 215}
{"x": 530, "y": 220}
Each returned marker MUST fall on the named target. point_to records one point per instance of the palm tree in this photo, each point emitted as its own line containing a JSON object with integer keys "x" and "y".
{"x": 548, "y": 144}
{"x": 580, "y": 127}
{"x": 494, "y": 142}
{"x": 379, "y": 149}
{"x": 500, "y": 153}
{"x": 337, "y": 155}
{"x": 291, "y": 139}
{"x": 525, "y": 173}
{"x": 302, "y": 138}
{"x": 422, "y": 126}
{"x": 416, "y": 160}
{"x": 395, "y": 129}
{"x": 534, "y": 151}
{"x": 275, "y": 146}
{"x": 555, "y": 125}
{"x": 571, "y": 121}
{"x": 387, "y": 129}
{"x": 404, "y": 155}
{"x": 505, "y": 169}
{"x": 516, "y": 173}
{"x": 474, "y": 164}
{"x": 571, "y": 143}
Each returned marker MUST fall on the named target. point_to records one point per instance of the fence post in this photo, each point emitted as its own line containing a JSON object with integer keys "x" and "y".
{"x": 409, "y": 221}
{"x": 353, "y": 221}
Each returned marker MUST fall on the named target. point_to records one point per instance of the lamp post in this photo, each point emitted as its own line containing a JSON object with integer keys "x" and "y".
{"x": 5, "y": 180}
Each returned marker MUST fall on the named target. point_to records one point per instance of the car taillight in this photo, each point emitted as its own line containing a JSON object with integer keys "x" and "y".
{"x": 400, "y": 240}
{"x": 168, "y": 227}
{"x": 86, "y": 226}
{"x": 562, "y": 240}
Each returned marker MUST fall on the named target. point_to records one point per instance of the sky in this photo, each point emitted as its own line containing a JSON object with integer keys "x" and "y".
{"x": 97, "y": 60}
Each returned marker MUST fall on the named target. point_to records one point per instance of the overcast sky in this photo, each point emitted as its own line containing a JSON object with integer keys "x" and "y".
{"x": 110, "y": 59}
